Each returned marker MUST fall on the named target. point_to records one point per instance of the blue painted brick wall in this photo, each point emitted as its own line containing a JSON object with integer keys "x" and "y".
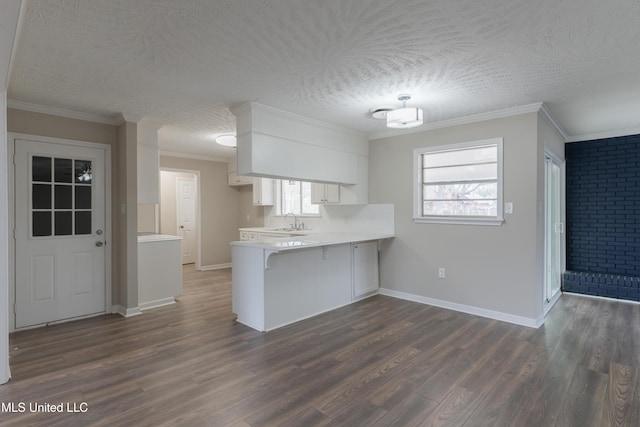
{"x": 603, "y": 216}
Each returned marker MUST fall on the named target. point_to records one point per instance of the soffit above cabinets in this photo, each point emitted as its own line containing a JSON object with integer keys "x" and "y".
{"x": 184, "y": 64}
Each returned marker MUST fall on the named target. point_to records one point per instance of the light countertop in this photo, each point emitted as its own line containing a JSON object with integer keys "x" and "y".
{"x": 312, "y": 239}
{"x": 153, "y": 237}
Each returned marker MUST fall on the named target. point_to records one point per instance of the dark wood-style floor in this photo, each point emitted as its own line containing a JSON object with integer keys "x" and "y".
{"x": 379, "y": 362}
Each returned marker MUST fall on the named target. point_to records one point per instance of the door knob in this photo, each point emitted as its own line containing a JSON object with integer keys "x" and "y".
{"x": 99, "y": 243}
{"x": 182, "y": 226}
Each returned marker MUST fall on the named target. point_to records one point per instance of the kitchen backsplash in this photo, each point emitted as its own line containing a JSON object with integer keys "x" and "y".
{"x": 342, "y": 218}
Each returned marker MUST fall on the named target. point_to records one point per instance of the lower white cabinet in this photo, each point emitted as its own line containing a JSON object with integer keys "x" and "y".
{"x": 324, "y": 193}
{"x": 365, "y": 278}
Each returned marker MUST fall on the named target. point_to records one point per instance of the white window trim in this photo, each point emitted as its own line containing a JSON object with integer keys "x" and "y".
{"x": 417, "y": 186}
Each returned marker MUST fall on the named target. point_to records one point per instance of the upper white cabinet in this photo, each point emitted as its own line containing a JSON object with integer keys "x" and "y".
{"x": 234, "y": 178}
{"x": 263, "y": 191}
{"x": 324, "y": 193}
{"x": 277, "y": 143}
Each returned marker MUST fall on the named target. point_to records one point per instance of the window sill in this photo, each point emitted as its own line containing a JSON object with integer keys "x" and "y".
{"x": 461, "y": 221}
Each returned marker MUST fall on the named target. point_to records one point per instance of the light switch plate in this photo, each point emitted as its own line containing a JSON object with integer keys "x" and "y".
{"x": 508, "y": 208}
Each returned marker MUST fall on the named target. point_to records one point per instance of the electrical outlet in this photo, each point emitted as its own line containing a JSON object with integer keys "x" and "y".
{"x": 508, "y": 208}
{"x": 441, "y": 273}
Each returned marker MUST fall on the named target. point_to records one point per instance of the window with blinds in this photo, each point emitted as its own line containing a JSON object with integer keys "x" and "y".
{"x": 460, "y": 183}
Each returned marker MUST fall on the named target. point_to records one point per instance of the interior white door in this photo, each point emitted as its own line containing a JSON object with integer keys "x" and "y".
{"x": 186, "y": 198}
{"x": 59, "y": 232}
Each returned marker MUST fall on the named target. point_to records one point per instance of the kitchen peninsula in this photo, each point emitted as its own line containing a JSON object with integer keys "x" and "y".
{"x": 277, "y": 281}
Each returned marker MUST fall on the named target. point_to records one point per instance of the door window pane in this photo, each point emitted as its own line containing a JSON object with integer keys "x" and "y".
{"x": 83, "y": 222}
{"x": 63, "y": 197}
{"x": 63, "y": 171}
{"x": 41, "y": 224}
{"x": 83, "y": 197}
{"x": 63, "y": 221}
{"x": 83, "y": 172}
{"x": 41, "y": 196}
{"x": 41, "y": 169}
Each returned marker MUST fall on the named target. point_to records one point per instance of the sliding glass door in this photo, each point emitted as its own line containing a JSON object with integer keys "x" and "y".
{"x": 554, "y": 228}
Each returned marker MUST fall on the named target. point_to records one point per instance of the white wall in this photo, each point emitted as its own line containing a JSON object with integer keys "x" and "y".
{"x": 493, "y": 268}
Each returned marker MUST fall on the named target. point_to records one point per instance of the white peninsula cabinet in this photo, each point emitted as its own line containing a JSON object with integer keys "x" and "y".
{"x": 366, "y": 280}
{"x": 282, "y": 281}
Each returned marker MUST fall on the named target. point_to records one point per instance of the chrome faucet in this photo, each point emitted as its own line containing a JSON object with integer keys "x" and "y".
{"x": 295, "y": 224}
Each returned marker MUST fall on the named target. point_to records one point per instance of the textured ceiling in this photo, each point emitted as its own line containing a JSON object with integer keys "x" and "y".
{"x": 183, "y": 63}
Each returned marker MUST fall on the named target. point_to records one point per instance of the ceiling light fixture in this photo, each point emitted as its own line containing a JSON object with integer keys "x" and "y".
{"x": 228, "y": 140}
{"x": 380, "y": 112}
{"x": 404, "y": 118}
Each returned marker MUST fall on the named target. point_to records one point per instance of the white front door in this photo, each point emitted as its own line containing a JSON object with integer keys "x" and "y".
{"x": 186, "y": 189}
{"x": 59, "y": 231}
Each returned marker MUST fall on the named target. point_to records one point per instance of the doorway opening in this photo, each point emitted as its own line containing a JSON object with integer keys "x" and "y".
{"x": 180, "y": 210}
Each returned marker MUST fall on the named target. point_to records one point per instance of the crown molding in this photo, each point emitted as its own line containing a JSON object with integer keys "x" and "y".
{"x": 194, "y": 156}
{"x": 604, "y": 135}
{"x": 11, "y": 23}
{"x": 508, "y": 112}
{"x": 127, "y": 117}
{"x": 61, "y": 112}
{"x": 553, "y": 122}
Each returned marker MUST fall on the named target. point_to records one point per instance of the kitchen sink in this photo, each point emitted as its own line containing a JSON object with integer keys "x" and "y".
{"x": 286, "y": 229}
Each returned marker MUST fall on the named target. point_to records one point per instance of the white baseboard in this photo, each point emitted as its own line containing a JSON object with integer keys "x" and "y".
{"x": 125, "y": 312}
{"x": 215, "y": 266}
{"x": 157, "y": 303}
{"x": 477, "y": 311}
